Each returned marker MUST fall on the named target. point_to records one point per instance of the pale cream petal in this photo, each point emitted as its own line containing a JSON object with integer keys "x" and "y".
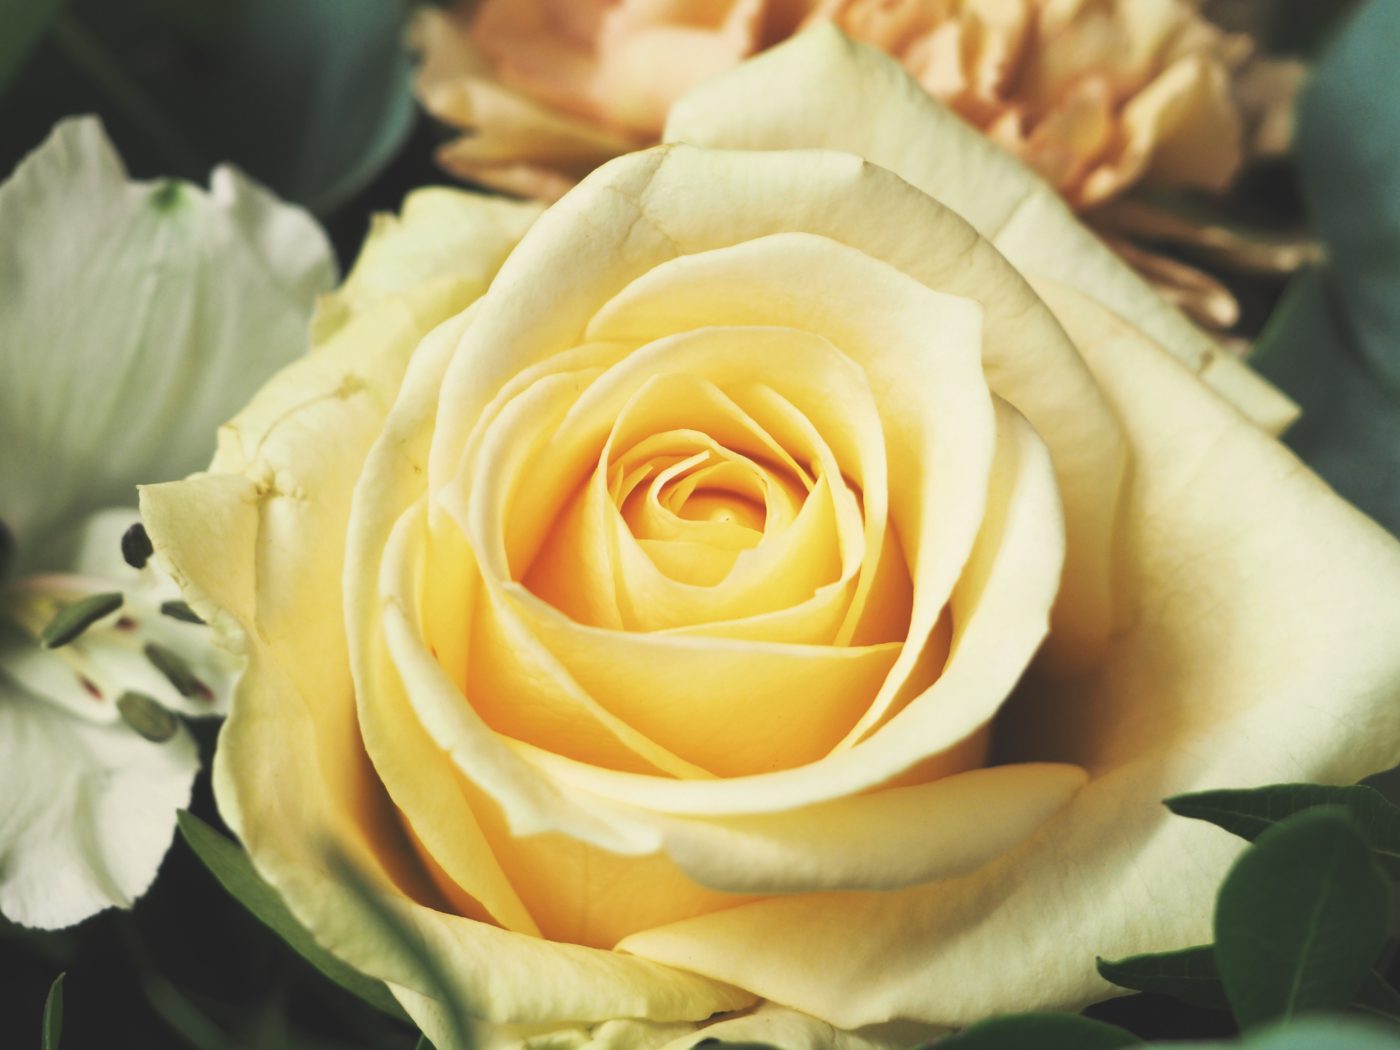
{"x": 773, "y": 1025}
{"x": 440, "y": 235}
{"x": 823, "y": 90}
{"x": 639, "y": 212}
{"x": 864, "y": 842}
{"x": 517, "y": 684}
{"x": 603, "y": 882}
{"x": 565, "y": 890}
{"x": 414, "y": 773}
{"x": 292, "y": 774}
{"x": 797, "y": 702}
{"x": 1236, "y": 553}
{"x": 507, "y": 977}
{"x": 593, "y": 555}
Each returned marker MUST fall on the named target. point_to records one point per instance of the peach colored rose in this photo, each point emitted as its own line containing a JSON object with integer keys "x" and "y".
{"x": 1095, "y": 95}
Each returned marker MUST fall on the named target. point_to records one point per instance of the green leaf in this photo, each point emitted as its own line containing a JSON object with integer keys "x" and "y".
{"x": 1349, "y": 431}
{"x": 231, "y": 866}
{"x": 22, "y": 26}
{"x": 1299, "y": 26}
{"x": 1335, "y": 343}
{"x": 323, "y": 99}
{"x": 1188, "y": 975}
{"x": 1248, "y": 813}
{"x": 1379, "y": 998}
{"x": 1039, "y": 1031}
{"x": 53, "y": 1014}
{"x": 1309, "y": 1033}
{"x": 1348, "y": 150}
{"x": 312, "y": 98}
{"x": 1300, "y": 918}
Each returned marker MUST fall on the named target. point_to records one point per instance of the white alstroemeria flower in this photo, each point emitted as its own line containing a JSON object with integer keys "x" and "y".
{"x": 135, "y": 317}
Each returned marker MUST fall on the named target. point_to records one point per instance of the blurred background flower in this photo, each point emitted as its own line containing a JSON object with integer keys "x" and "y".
{"x": 1141, "y": 113}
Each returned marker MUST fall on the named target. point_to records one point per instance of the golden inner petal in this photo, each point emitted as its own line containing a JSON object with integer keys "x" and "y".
{"x": 690, "y": 493}
{"x": 682, "y": 489}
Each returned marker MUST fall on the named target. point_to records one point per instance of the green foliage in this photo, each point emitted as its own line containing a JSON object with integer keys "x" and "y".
{"x": 1302, "y": 25}
{"x": 1248, "y": 813}
{"x": 1188, "y": 975}
{"x": 1349, "y": 158}
{"x": 231, "y": 866}
{"x": 1334, "y": 344}
{"x": 53, "y": 1014}
{"x": 311, "y": 98}
{"x": 1039, "y": 1031}
{"x": 1378, "y": 998}
{"x": 1313, "y": 1033}
{"x": 1300, "y": 919}
{"x": 22, "y": 26}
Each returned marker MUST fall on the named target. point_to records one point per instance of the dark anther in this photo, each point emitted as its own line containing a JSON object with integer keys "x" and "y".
{"x": 136, "y": 546}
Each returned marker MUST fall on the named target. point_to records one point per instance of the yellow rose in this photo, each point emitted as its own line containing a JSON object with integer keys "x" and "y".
{"x": 1095, "y": 95}
{"x": 809, "y": 505}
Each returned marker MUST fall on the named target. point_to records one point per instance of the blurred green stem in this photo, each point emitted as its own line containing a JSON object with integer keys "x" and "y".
{"x": 127, "y": 96}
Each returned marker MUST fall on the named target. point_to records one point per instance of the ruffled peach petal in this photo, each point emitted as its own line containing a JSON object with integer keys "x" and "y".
{"x": 1182, "y": 129}
{"x": 515, "y": 144}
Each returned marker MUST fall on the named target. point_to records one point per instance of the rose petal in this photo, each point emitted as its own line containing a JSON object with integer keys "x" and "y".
{"x": 821, "y": 89}
{"x": 440, "y": 237}
{"x": 291, "y": 775}
{"x": 1261, "y": 559}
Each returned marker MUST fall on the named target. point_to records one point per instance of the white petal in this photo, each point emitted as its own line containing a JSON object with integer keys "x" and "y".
{"x": 137, "y": 317}
{"x": 88, "y": 812}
